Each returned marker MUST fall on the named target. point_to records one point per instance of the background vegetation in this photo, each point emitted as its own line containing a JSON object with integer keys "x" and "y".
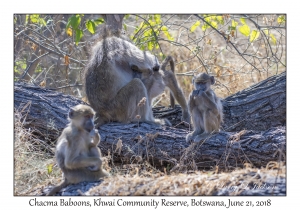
{"x": 240, "y": 50}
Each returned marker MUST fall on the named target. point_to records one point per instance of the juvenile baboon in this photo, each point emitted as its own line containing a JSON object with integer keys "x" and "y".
{"x": 205, "y": 107}
{"x": 156, "y": 83}
{"x": 110, "y": 84}
{"x": 77, "y": 153}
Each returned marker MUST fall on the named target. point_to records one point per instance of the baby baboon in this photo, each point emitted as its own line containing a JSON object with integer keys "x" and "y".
{"x": 77, "y": 152}
{"x": 156, "y": 83}
{"x": 205, "y": 107}
{"x": 110, "y": 84}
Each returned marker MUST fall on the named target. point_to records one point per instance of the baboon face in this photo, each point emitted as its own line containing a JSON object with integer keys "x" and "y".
{"x": 82, "y": 116}
{"x": 203, "y": 81}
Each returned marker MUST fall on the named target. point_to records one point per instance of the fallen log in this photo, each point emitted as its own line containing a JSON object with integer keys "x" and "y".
{"x": 258, "y": 107}
{"x": 252, "y": 113}
{"x": 163, "y": 146}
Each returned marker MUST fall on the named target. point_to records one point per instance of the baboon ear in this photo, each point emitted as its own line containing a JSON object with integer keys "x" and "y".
{"x": 71, "y": 113}
{"x": 212, "y": 80}
{"x": 193, "y": 79}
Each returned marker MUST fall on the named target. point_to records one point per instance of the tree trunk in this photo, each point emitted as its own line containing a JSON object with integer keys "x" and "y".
{"x": 256, "y": 109}
{"x": 45, "y": 111}
{"x": 166, "y": 145}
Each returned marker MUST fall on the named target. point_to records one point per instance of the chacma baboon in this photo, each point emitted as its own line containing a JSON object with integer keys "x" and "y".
{"x": 111, "y": 87}
{"x": 156, "y": 83}
{"x": 77, "y": 153}
{"x": 205, "y": 107}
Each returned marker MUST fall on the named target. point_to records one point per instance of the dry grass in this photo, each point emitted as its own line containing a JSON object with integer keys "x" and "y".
{"x": 138, "y": 182}
{"x": 32, "y": 158}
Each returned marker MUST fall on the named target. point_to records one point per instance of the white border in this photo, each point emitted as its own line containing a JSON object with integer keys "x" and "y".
{"x": 152, "y": 6}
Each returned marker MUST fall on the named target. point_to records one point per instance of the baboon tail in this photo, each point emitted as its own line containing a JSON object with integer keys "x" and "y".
{"x": 57, "y": 188}
{"x": 169, "y": 59}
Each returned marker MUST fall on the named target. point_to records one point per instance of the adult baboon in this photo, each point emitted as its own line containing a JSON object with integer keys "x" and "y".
{"x": 110, "y": 84}
{"x": 205, "y": 107}
{"x": 77, "y": 153}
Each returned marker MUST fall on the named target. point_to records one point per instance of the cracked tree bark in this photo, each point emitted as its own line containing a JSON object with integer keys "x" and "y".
{"x": 253, "y": 131}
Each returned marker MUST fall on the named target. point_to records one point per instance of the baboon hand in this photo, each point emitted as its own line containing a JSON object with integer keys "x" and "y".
{"x": 93, "y": 133}
{"x": 195, "y": 92}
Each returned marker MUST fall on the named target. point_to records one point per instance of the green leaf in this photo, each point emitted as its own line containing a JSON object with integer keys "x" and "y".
{"x": 157, "y": 19}
{"x": 281, "y": 19}
{"x": 90, "y": 25}
{"x": 152, "y": 23}
{"x": 147, "y": 33}
{"x": 24, "y": 66}
{"x": 243, "y": 21}
{"x": 214, "y": 24}
{"x": 164, "y": 28}
{"x": 204, "y": 27}
{"x": 125, "y": 26}
{"x": 42, "y": 22}
{"x": 266, "y": 32}
{"x": 220, "y": 19}
{"x": 194, "y": 26}
{"x": 77, "y": 21}
{"x": 150, "y": 46}
{"x": 34, "y": 18}
{"x": 254, "y": 35}
{"x": 234, "y": 23}
{"x": 170, "y": 37}
{"x": 26, "y": 19}
{"x": 273, "y": 38}
{"x": 245, "y": 30}
{"x": 208, "y": 19}
{"x": 50, "y": 168}
{"x": 69, "y": 22}
{"x": 16, "y": 70}
{"x": 213, "y": 17}
{"x": 21, "y": 64}
{"x": 79, "y": 34}
{"x": 99, "y": 21}
{"x": 74, "y": 21}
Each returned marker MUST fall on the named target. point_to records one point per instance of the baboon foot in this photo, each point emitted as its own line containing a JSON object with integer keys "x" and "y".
{"x": 188, "y": 138}
{"x": 164, "y": 122}
{"x": 202, "y": 136}
{"x": 186, "y": 119}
